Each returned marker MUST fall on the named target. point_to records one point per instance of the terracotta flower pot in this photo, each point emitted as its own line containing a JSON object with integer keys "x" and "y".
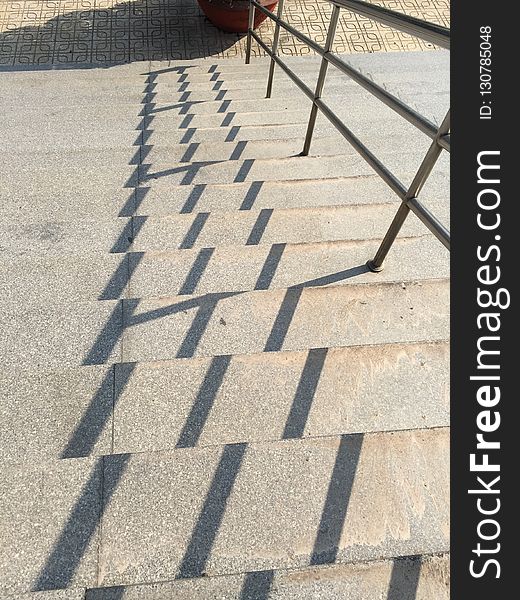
{"x": 232, "y": 15}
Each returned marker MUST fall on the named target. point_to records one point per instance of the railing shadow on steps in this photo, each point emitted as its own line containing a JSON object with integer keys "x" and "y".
{"x": 440, "y": 136}
{"x": 77, "y": 534}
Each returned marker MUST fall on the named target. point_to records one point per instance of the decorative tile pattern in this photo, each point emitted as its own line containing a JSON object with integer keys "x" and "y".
{"x": 54, "y": 32}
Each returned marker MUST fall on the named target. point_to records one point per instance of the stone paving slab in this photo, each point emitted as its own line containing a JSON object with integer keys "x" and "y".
{"x": 49, "y": 529}
{"x": 280, "y": 395}
{"x": 252, "y": 227}
{"x": 53, "y": 237}
{"x": 210, "y": 270}
{"x": 195, "y": 512}
{"x": 422, "y": 578}
{"x": 69, "y": 138}
{"x": 37, "y": 171}
{"x": 69, "y": 276}
{"x": 81, "y": 32}
{"x": 80, "y": 198}
{"x": 234, "y": 323}
{"x": 67, "y": 334}
{"x": 56, "y": 414}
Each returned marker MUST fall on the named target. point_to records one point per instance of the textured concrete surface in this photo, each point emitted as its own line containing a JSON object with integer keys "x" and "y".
{"x": 209, "y": 270}
{"x": 321, "y": 347}
{"x": 213, "y": 511}
{"x": 68, "y": 334}
{"x": 49, "y": 528}
{"x": 267, "y": 396}
{"x": 84, "y": 31}
{"x": 54, "y": 237}
{"x": 232, "y": 323}
{"x": 249, "y": 228}
{"x": 266, "y": 169}
{"x": 85, "y": 276}
{"x": 421, "y": 579}
{"x": 161, "y": 198}
{"x": 65, "y": 594}
{"x": 56, "y": 414}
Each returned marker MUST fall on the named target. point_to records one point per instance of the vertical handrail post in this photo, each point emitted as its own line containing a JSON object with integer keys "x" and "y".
{"x": 276, "y": 40}
{"x": 250, "y": 26}
{"x": 321, "y": 78}
{"x": 434, "y": 151}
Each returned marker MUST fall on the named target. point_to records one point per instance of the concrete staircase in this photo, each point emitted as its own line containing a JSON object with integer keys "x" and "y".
{"x": 204, "y": 392}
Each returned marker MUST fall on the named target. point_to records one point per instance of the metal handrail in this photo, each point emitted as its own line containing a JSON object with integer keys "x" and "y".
{"x": 440, "y": 135}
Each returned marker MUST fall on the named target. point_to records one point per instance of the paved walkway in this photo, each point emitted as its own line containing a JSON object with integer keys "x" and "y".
{"x": 55, "y": 32}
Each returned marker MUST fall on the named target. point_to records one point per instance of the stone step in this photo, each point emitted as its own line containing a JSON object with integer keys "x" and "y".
{"x": 236, "y": 509}
{"x": 69, "y": 413}
{"x": 160, "y": 197}
{"x": 279, "y": 226}
{"x": 87, "y": 275}
{"x": 233, "y": 269}
{"x": 164, "y": 93}
{"x": 224, "y": 510}
{"x": 258, "y": 149}
{"x": 294, "y": 319}
{"x": 240, "y": 171}
{"x": 280, "y": 395}
{"x": 419, "y": 577}
{"x": 176, "y": 121}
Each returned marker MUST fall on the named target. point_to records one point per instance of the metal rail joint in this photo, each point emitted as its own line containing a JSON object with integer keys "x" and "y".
{"x": 430, "y": 32}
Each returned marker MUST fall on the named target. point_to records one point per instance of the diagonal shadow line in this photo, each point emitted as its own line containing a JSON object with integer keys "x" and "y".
{"x": 238, "y": 150}
{"x": 334, "y": 277}
{"x": 232, "y": 134}
{"x": 251, "y": 195}
{"x": 94, "y": 420}
{"x": 206, "y": 395}
{"x": 205, "y": 531}
{"x": 224, "y": 106}
{"x": 190, "y": 152}
{"x": 194, "y": 231}
{"x": 197, "y": 328}
{"x": 258, "y": 230}
{"x": 192, "y": 199}
{"x": 188, "y": 135}
{"x": 226, "y": 121}
{"x": 326, "y": 544}
{"x": 257, "y": 585}
{"x": 81, "y": 526}
{"x": 305, "y": 392}
{"x": 269, "y": 267}
{"x": 283, "y": 320}
{"x": 197, "y": 270}
{"x": 404, "y": 581}
{"x": 171, "y": 309}
{"x": 107, "y": 338}
{"x": 244, "y": 170}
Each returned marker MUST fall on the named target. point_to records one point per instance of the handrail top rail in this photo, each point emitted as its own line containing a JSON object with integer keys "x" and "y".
{"x": 425, "y": 30}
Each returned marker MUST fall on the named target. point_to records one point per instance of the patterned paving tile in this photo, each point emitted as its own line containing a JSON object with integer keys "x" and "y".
{"x": 54, "y": 32}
